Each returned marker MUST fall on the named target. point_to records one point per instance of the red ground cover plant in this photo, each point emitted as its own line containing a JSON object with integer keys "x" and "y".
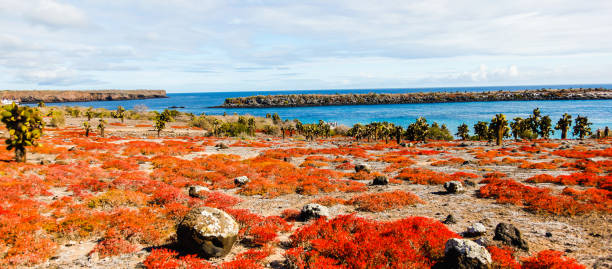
{"x": 260, "y": 230}
{"x": 328, "y": 201}
{"x": 541, "y": 200}
{"x": 423, "y": 176}
{"x": 449, "y": 162}
{"x": 583, "y": 179}
{"x": 550, "y": 259}
{"x": 272, "y": 177}
{"x": 352, "y": 242}
{"x": 377, "y": 202}
{"x": 503, "y": 258}
{"x": 582, "y": 153}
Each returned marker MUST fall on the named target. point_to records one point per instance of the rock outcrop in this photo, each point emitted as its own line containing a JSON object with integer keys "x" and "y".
{"x": 59, "y": 96}
{"x": 301, "y": 100}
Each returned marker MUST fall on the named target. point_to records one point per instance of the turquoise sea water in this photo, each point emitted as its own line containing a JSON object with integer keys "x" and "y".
{"x": 452, "y": 114}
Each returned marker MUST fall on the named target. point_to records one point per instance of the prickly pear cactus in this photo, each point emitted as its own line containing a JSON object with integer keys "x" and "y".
{"x": 25, "y": 126}
{"x": 119, "y": 113}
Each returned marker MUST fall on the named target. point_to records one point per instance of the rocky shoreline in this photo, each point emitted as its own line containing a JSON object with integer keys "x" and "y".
{"x": 61, "y": 96}
{"x": 304, "y": 100}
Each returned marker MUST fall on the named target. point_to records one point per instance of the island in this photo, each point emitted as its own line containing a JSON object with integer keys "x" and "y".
{"x": 304, "y": 100}
{"x": 62, "y": 96}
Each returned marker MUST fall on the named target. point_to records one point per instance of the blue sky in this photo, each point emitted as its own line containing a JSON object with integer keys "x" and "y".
{"x": 199, "y": 45}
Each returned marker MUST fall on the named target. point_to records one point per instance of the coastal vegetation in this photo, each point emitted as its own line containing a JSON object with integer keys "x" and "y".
{"x": 116, "y": 196}
{"x": 301, "y": 100}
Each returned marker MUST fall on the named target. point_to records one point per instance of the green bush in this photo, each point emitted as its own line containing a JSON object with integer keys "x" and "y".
{"x": 57, "y": 118}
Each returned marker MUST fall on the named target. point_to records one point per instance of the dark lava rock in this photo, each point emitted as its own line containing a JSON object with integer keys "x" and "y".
{"x": 450, "y": 219}
{"x": 380, "y": 180}
{"x": 510, "y": 235}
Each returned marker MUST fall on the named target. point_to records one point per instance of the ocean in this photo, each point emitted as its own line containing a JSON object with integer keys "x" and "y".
{"x": 599, "y": 112}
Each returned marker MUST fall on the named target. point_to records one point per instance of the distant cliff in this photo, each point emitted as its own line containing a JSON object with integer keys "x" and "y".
{"x": 61, "y": 96}
{"x": 301, "y": 100}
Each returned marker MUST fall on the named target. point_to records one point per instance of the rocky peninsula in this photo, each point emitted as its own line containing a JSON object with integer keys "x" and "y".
{"x": 303, "y": 100}
{"x": 61, "y": 96}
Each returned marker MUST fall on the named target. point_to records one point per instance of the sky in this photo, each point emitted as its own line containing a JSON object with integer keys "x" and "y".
{"x": 226, "y": 45}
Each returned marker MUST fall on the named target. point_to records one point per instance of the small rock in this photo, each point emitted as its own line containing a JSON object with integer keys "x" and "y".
{"x": 287, "y": 159}
{"x": 313, "y": 211}
{"x": 454, "y": 186}
{"x": 510, "y": 235}
{"x": 450, "y": 219}
{"x": 380, "y": 180}
{"x": 194, "y": 191}
{"x": 241, "y": 181}
{"x": 465, "y": 163}
{"x": 207, "y": 231}
{"x": 464, "y": 254}
{"x": 548, "y": 234}
{"x": 43, "y": 162}
{"x": 222, "y": 146}
{"x": 476, "y": 229}
{"x": 469, "y": 183}
{"x": 362, "y": 167}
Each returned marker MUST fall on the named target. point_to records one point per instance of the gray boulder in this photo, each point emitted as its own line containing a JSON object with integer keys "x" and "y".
{"x": 510, "y": 235}
{"x": 454, "y": 187}
{"x": 207, "y": 231}
{"x": 464, "y": 254}
{"x": 362, "y": 167}
{"x": 476, "y": 229}
{"x": 241, "y": 181}
{"x": 313, "y": 211}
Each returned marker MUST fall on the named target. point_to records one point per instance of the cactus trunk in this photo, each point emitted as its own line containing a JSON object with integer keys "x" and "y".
{"x": 20, "y": 154}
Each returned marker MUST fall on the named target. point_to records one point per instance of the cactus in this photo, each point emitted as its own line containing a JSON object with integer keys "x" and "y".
{"x": 481, "y": 130}
{"x": 87, "y": 128}
{"x": 564, "y": 124}
{"x": 463, "y": 131}
{"x": 499, "y": 128}
{"x": 417, "y": 131}
{"x": 161, "y": 120}
{"x": 582, "y": 127}
{"x": 89, "y": 114}
{"x": 25, "y": 126}
{"x": 119, "y": 113}
{"x": 101, "y": 127}
{"x": 545, "y": 129}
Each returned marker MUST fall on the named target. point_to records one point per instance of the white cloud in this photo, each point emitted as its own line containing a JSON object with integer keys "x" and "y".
{"x": 55, "y": 14}
{"x": 189, "y": 42}
{"x": 483, "y": 74}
